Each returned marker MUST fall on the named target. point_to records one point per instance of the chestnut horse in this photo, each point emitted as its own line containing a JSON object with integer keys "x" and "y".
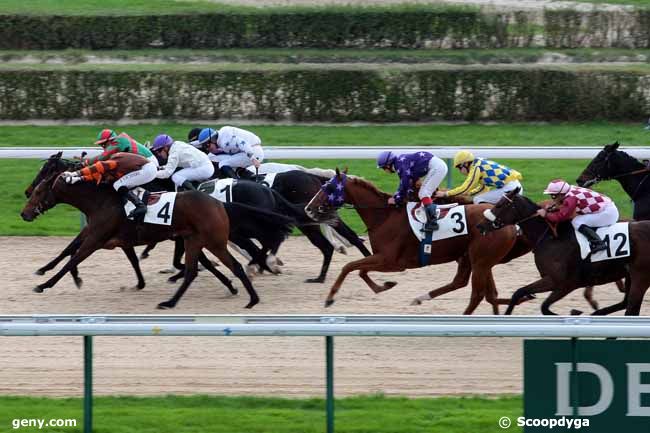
{"x": 201, "y": 221}
{"x": 395, "y": 248}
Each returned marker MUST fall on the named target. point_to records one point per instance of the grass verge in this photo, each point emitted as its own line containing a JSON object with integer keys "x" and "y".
{"x": 201, "y": 414}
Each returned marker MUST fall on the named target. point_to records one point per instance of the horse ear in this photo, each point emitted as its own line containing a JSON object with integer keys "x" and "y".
{"x": 345, "y": 170}
{"x": 58, "y": 155}
{"x": 338, "y": 172}
{"x": 515, "y": 191}
{"x": 615, "y": 145}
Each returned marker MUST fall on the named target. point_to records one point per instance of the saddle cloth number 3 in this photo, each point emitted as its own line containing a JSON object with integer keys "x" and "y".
{"x": 451, "y": 225}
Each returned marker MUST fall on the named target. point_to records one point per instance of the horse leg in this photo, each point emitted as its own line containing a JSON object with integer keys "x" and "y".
{"x": 192, "y": 250}
{"x": 526, "y": 292}
{"x": 147, "y": 250}
{"x": 349, "y": 234}
{"x": 207, "y": 263}
{"x": 257, "y": 262}
{"x": 374, "y": 286}
{"x": 179, "y": 250}
{"x": 463, "y": 272}
{"x": 87, "y": 247}
{"x": 612, "y": 308}
{"x": 555, "y": 296}
{"x": 375, "y": 262}
{"x": 133, "y": 259}
{"x": 638, "y": 288}
{"x": 237, "y": 269}
{"x": 491, "y": 293}
{"x": 67, "y": 251}
{"x": 589, "y": 296}
{"x": 317, "y": 239}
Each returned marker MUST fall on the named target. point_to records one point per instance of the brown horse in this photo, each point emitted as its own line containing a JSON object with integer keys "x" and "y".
{"x": 201, "y": 221}
{"x": 395, "y": 248}
{"x": 558, "y": 257}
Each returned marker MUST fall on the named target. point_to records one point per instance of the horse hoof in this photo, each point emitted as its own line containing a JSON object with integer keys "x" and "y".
{"x": 329, "y": 303}
{"x": 78, "y": 282}
{"x": 342, "y": 250}
{"x": 233, "y": 291}
{"x": 416, "y": 301}
{"x": 39, "y": 272}
{"x": 252, "y": 303}
{"x": 174, "y": 279}
{"x": 167, "y": 305}
{"x": 315, "y": 280}
{"x": 38, "y": 289}
{"x": 279, "y": 262}
{"x": 144, "y": 256}
{"x": 389, "y": 284}
{"x": 168, "y": 271}
{"x": 575, "y": 312}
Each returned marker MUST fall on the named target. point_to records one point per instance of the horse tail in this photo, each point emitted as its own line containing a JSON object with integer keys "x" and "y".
{"x": 324, "y": 173}
{"x": 296, "y": 211}
{"x": 254, "y": 220}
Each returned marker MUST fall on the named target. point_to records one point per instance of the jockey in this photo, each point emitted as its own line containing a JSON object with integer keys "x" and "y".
{"x": 113, "y": 143}
{"x": 232, "y": 148}
{"x": 592, "y": 210}
{"x": 193, "y": 138}
{"x": 410, "y": 167}
{"x": 194, "y": 164}
{"x": 483, "y": 174}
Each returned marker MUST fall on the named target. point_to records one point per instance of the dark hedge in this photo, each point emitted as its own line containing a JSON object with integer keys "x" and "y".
{"x": 326, "y": 95}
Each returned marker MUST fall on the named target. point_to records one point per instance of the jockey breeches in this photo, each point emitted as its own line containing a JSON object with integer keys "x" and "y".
{"x": 200, "y": 173}
{"x": 238, "y": 160}
{"x": 139, "y": 177}
{"x": 605, "y": 217}
{"x": 437, "y": 172}
{"x": 495, "y": 195}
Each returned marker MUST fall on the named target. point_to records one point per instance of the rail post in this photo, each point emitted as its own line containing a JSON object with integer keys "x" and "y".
{"x": 450, "y": 168}
{"x": 329, "y": 374}
{"x": 88, "y": 384}
{"x": 575, "y": 391}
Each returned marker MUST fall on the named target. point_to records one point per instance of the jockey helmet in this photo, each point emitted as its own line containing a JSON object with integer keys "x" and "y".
{"x": 386, "y": 159}
{"x": 193, "y": 135}
{"x": 163, "y": 140}
{"x": 104, "y": 136}
{"x": 557, "y": 186}
{"x": 206, "y": 135}
{"x": 463, "y": 157}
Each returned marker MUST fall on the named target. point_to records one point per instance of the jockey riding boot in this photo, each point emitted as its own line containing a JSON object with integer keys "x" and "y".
{"x": 187, "y": 186}
{"x": 229, "y": 172}
{"x": 432, "y": 220}
{"x": 140, "y": 208}
{"x": 595, "y": 242}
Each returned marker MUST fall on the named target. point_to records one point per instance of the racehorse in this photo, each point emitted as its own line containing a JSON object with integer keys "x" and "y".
{"x": 395, "y": 248}
{"x": 634, "y": 177}
{"x": 55, "y": 165}
{"x": 201, "y": 221}
{"x": 558, "y": 258}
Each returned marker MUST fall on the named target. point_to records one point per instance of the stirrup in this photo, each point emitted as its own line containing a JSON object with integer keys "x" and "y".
{"x": 597, "y": 247}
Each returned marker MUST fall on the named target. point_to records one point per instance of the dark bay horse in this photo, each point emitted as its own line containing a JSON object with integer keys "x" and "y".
{"x": 201, "y": 221}
{"x": 55, "y": 165}
{"x": 634, "y": 177}
{"x": 558, "y": 258}
{"x": 395, "y": 248}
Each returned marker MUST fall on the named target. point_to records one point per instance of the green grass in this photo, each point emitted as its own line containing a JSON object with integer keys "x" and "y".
{"x": 280, "y": 55}
{"x": 203, "y": 414}
{"x": 62, "y": 220}
{"x": 160, "y": 7}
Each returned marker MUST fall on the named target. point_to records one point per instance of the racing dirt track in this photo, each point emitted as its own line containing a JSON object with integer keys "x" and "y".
{"x": 278, "y": 366}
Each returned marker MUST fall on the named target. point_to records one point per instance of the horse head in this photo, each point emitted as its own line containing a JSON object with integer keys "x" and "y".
{"x": 329, "y": 198}
{"x": 42, "y": 198}
{"x": 513, "y": 208}
{"x": 610, "y": 163}
{"x": 53, "y": 165}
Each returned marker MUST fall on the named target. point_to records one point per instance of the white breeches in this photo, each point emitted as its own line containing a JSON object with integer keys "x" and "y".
{"x": 437, "y": 172}
{"x": 201, "y": 173}
{"x": 139, "y": 177}
{"x": 493, "y": 196}
{"x": 238, "y": 160}
{"x": 605, "y": 217}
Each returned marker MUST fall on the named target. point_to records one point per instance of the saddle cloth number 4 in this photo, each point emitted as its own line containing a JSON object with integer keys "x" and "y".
{"x": 160, "y": 212}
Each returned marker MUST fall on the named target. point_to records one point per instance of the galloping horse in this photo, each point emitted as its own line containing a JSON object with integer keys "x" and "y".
{"x": 55, "y": 165}
{"x": 634, "y": 177}
{"x": 558, "y": 258}
{"x": 395, "y": 248}
{"x": 201, "y": 221}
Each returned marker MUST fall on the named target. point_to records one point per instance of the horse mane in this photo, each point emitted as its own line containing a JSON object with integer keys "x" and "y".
{"x": 630, "y": 158}
{"x": 367, "y": 185}
{"x": 321, "y": 172}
